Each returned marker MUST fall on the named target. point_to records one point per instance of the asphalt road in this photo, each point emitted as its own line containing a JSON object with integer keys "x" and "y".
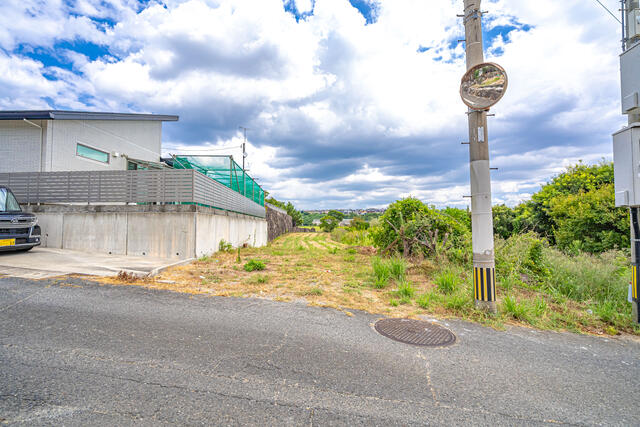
{"x": 76, "y": 353}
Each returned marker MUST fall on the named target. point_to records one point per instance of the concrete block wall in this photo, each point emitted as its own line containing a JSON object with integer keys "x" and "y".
{"x": 178, "y": 232}
{"x": 279, "y": 222}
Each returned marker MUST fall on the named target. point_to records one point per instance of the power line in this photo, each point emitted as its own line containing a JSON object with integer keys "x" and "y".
{"x": 610, "y": 13}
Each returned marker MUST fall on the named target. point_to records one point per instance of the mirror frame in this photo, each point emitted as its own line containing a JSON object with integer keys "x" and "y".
{"x": 471, "y": 70}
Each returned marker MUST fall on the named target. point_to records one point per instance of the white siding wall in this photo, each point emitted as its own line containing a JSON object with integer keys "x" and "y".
{"x": 136, "y": 139}
{"x": 20, "y": 146}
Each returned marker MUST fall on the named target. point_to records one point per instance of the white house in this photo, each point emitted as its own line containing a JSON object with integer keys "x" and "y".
{"x": 51, "y": 141}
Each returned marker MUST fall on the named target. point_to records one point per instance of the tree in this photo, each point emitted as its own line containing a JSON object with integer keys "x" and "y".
{"x": 581, "y": 178}
{"x": 504, "y": 221}
{"x": 336, "y": 214}
{"x": 328, "y": 223}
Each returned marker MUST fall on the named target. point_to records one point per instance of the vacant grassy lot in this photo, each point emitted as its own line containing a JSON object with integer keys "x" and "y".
{"x": 313, "y": 268}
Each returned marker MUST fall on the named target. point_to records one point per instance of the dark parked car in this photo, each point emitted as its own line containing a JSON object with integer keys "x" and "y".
{"x": 19, "y": 231}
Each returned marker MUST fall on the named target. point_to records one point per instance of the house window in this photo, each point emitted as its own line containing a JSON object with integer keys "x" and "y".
{"x": 92, "y": 153}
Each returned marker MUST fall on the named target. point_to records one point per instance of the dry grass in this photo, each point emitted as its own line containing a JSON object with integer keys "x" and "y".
{"x": 311, "y": 267}
{"x": 306, "y": 266}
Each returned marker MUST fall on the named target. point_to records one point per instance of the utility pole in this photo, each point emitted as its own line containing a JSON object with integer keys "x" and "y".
{"x": 626, "y": 157}
{"x": 484, "y": 276}
{"x": 244, "y": 156}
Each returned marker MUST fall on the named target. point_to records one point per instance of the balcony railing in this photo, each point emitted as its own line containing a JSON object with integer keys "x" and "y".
{"x": 167, "y": 186}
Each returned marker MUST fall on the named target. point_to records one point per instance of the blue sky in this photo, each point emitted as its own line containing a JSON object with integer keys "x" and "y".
{"x": 350, "y": 103}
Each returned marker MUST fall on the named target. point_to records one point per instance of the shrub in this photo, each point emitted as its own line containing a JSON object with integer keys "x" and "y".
{"x": 590, "y": 221}
{"x": 575, "y": 211}
{"x": 358, "y": 224}
{"x": 504, "y": 221}
{"x": 254, "y": 265}
{"x": 409, "y": 227}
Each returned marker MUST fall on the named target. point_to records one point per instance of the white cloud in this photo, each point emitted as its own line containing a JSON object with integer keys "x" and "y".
{"x": 333, "y": 102}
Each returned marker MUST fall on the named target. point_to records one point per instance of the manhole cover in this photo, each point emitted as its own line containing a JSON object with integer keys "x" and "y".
{"x": 416, "y": 332}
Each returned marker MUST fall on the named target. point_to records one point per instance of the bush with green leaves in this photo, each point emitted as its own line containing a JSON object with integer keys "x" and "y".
{"x": 410, "y": 228}
{"x": 504, "y": 221}
{"x": 254, "y": 265}
{"x": 574, "y": 211}
{"x": 590, "y": 221}
{"x": 358, "y": 224}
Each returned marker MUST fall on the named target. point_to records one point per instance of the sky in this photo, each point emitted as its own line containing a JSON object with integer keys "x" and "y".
{"x": 349, "y": 103}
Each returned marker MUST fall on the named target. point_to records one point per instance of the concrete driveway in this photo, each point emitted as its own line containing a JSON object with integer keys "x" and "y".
{"x": 43, "y": 263}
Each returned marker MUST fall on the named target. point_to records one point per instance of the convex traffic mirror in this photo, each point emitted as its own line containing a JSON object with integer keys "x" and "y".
{"x": 483, "y": 86}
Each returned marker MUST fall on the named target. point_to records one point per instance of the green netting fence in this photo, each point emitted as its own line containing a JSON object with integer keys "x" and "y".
{"x": 224, "y": 170}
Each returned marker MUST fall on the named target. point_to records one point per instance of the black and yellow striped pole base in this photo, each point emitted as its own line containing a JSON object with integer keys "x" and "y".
{"x": 635, "y": 300}
{"x": 634, "y": 283}
{"x": 484, "y": 288}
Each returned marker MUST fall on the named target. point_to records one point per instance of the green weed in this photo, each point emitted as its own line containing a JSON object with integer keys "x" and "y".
{"x": 406, "y": 289}
{"x": 424, "y": 301}
{"x": 405, "y": 300}
{"x": 381, "y": 272}
{"x": 398, "y": 268}
{"x": 313, "y": 291}
{"x": 458, "y": 301}
{"x": 517, "y": 310}
{"x": 254, "y": 265}
{"x": 447, "y": 282}
{"x": 224, "y": 246}
{"x": 260, "y": 279}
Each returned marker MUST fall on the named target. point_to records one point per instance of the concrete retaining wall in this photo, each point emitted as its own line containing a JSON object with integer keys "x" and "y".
{"x": 170, "y": 231}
